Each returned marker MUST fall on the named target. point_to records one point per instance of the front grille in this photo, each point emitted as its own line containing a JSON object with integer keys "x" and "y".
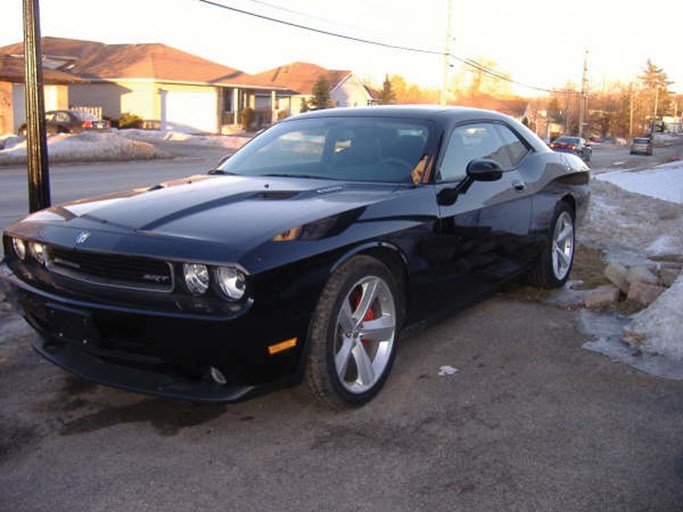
{"x": 114, "y": 270}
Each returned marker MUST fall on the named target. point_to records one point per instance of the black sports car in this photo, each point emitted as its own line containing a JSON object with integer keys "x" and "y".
{"x": 301, "y": 257}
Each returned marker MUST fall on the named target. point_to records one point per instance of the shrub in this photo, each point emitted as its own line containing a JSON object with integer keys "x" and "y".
{"x": 129, "y": 120}
{"x": 248, "y": 116}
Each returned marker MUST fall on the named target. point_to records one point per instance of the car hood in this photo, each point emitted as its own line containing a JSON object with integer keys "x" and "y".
{"x": 209, "y": 218}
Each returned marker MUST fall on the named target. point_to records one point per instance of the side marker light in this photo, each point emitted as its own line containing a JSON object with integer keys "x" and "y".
{"x": 280, "y": 347}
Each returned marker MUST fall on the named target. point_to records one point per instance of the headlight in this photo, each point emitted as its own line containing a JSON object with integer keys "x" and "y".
{"x": 196, "y": 278}
{"x": 37, "y": 251}
{"x": 231, "y": 281}
{"x": 19, "y": 247}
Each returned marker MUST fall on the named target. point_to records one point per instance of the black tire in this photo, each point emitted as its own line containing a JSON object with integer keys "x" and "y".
{"x": 345, "y": 367}
{"x": 555, "y": 262}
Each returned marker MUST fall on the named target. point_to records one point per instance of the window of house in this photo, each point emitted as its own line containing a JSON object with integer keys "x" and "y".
{"x": 227, "y": 100}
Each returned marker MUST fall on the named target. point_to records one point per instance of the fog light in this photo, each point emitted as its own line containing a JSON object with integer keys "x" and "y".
{"x": 19, "y": 247}
{"x": 196, "y": 278}
{"x": 217, "y": 376}
{"x": 37, "y": 251}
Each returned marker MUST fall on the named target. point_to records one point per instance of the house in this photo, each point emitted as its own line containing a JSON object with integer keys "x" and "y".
{"x": 181, "y": 91}
{"x": 518, "y": 108}
{"x": 299, "y": 78}
{"x": 12, "y": 106}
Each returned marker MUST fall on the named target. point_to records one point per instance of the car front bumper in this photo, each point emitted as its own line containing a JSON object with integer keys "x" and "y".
{"x": 162, "y": 354}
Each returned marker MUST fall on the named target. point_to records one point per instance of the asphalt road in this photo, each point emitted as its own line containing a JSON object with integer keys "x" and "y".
{"x": 529, "y": 422}
{"x": 78, "y": 180}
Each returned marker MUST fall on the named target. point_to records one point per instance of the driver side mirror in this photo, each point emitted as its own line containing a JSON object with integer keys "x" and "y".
{"x": 484, "y": 170}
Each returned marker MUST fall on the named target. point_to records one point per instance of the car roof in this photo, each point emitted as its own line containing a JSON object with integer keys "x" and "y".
{"x": 443, "y": 115}
{"x": 453, "y": 113}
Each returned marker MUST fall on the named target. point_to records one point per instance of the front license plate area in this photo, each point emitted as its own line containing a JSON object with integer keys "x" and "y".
{"x": 72, "y": 325}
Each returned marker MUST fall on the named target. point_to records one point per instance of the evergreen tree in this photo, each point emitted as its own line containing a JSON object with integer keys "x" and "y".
{"x": 654, "y": 79}
{"x": 387, "y": 97}
{"x": 321, "y": 94}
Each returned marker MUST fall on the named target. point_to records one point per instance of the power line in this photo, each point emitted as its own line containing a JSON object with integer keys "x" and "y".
{"x": 468, "y": 62}
{"x": 321, "y": 31}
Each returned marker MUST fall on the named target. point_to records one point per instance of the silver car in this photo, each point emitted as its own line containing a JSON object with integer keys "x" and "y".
{"x": 642, "y": 146}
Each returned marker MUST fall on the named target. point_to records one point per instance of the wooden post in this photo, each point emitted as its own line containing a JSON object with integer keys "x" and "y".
{"x": 36, "y": 135}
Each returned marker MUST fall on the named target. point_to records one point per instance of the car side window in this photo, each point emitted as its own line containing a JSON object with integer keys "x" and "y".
{"x": 472, "y": 142}
{"x": 515, "y": 147}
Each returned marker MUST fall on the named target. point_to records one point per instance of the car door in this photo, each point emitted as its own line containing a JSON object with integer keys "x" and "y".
{"x": 484, "y": 225}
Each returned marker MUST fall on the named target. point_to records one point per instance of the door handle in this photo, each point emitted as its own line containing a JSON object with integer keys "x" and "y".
{"x": 519, "y": 185}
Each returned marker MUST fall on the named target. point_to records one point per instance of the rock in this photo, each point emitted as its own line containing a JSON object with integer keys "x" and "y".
{"x": 644, "y": 294}
{"x": 602, "y": 295}
{"x": 671, "y": 265}
{"x": 668, "y": 276}
{"x": 5, "y": 307}
{"x": 641, "y": 275}
{"x": 3, "y": 297}
{"x": 616, "y": 273}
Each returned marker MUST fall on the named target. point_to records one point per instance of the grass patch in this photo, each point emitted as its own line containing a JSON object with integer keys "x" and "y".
{"x": 589, "y": 267}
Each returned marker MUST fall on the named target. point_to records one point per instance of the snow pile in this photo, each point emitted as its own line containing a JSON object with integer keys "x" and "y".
{"x": 224, "y": 141}
{"x": 663, "y": 182}
{"x": 624, "y": 222}
{"x": 93, "y": 146}
{"x": 659, "y": 328}
{"x": 664, "y": 138}
{"x": 639, "y": 215}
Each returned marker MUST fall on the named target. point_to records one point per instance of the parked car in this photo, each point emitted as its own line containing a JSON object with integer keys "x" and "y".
{"x": 301, "y": 258}
{"x": 70, "y": 121}
{"x": 642, "y": 146}
{"x": 577, "y": 145}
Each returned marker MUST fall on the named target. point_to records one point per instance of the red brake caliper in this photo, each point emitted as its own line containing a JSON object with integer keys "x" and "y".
{"x": 370, "y": 315}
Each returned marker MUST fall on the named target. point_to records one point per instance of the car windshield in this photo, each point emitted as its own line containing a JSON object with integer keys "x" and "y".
{"x": 567, "y": 140}
{"x": 641, "y": 141}
{"x": 84, "y": 116}
{"x": 348, "y": 149}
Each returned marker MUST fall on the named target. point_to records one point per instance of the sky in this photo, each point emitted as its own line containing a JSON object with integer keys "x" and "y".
{"x": 538, "y": 43}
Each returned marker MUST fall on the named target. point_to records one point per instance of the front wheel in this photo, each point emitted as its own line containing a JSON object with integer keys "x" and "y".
{"x": 353, "y": 334}
{"x": 556, "y": 259}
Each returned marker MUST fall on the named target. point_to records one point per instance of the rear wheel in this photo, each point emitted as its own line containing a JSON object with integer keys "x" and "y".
{"x": 353, "y": 334}
{"x": 557, "y": 257}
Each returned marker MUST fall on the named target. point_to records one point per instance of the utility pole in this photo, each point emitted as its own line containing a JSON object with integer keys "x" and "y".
{"x": 582, "y": 98}
{"x": 443, "y": 98}
{"x": 36, "y": 135}
{"x": 654, "y": 113}
{"x": 630, "y": 116}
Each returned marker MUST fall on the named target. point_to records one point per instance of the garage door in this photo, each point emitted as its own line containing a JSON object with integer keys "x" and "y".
{"x": 191, "y": 112}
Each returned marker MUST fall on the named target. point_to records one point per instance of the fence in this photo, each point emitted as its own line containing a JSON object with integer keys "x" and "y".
{"x": 96, "y": 111}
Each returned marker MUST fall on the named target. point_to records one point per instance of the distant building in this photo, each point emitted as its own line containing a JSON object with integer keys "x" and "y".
{"x": 154, "y": 81}
{"x": 298, "y": 78}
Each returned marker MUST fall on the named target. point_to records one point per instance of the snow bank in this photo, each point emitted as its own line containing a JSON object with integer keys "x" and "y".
{"x": 93, "y": 146}
{"x": 224, "y": 141}
{"x": 659, "y": 328}
{"x": 639, "y": 215}
{"x": 663, "y": 182}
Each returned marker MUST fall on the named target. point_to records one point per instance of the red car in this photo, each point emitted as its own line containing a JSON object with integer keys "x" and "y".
{"x": 70, "y": 121}
{"x": 577, "y": 145}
